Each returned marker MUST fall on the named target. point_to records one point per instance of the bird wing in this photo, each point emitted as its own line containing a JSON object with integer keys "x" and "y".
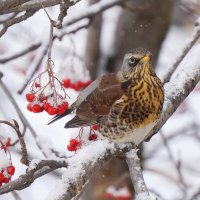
{"x": 98, "y": 103}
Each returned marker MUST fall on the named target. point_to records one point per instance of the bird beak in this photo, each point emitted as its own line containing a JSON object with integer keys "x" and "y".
{"x": 146, "y": 58}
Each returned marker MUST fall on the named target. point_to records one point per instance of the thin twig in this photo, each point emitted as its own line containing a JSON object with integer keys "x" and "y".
{"x": 16, "y": 20}
{"x": 24, "y": 158}
{"x": 176, "y": 164}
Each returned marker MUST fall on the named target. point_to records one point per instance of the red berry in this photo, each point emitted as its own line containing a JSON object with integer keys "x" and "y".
{"x": 65, "y": 104}
{"x": 29, "y": 107}
{"x": 74, "y": 86}
{"x": 51, "y": 110}
{"x": 1, "y": 177}
{"x": 30, "y": 97}
{"x": 37, "y": 85}
{"x": 95, "y": 127}
{"x": 46, "y": 106}
{"x": 73, "y": 142}
{"x": 73, "y": 145}
{"x": 92, "y": 137}
{"x": 6, "y": 180}
{"x": 71, "y": 148}
{"x": 87, "y": 83}
{"x": 66, "y": 83}
{"x": 37, "y": 108}
{"x": 80, "y": 85}
{"x": 61, "y": 109}
{"x": 11, "y": 170}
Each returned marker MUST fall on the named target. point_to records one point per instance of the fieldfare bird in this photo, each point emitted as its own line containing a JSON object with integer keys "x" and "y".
{"x": 126, "y": 105}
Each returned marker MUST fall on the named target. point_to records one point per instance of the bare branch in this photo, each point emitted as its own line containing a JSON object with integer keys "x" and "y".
{"x": 28, "y": 49}
{"x": 135, "y": 170}
{"x": 37, "y": 5}
{"x": 25, "y": 180}
{"x": 24, "y": 158}
{"x": 16, "y": 20}
{"x": 8, "y": 4}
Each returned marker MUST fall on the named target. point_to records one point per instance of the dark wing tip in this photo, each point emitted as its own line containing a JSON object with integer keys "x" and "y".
{"x": 57, "y": 117}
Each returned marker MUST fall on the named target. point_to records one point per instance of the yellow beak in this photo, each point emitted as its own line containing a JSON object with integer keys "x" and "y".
{"x": 145, "y": 58}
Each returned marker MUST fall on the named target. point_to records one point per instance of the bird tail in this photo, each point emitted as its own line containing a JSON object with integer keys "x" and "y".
{"x": 57, "y": 117}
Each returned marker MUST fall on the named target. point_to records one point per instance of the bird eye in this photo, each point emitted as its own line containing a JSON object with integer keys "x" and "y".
{"x": 133, "y": 61}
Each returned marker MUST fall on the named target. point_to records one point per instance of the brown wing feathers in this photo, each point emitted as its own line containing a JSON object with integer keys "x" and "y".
{"x": 98, "y": 103}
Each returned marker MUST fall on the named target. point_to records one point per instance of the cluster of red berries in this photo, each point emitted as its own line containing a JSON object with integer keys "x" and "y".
{"x": 39, "y": 102}
{"x": 6, "y": 174}
{"x": 75, "y": 144}
{"x": 76, "y": 86}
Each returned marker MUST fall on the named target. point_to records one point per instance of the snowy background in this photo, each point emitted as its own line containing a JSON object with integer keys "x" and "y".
{"x": 183, "y": 127}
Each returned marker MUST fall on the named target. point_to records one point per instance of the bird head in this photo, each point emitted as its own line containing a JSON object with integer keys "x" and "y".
{"x": 135, "y": 59}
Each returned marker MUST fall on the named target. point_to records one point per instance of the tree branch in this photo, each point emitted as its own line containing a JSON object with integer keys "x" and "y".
{"x": 43, "y": 167}
{"x": 8, "y": 4}
{"x": 135, "y": 170}
{"x": 37, "y": 5}
{"x": 16, "y": 20}
{"x": 24, "y": 158}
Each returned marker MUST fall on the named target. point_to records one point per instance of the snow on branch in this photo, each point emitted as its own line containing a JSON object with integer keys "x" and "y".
{"x": 135, "y": 170}
{"x": 40, "y": 169}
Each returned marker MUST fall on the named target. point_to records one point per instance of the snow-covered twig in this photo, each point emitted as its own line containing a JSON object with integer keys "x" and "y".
{"x": 135, "y": 170}
{"x": 42, "y": 167}
{"x": 195, "y": 37}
